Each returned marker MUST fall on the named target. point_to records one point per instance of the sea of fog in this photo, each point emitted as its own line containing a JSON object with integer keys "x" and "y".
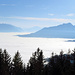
{"x": 27, "y": 45}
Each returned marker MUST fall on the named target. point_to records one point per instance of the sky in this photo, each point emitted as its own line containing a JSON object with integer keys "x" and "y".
{"x": 42, "y": 13}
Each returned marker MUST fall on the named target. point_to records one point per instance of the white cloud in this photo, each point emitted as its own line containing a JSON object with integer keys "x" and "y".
{"x": 51, "y": 14}
{"x": 71, "y": 14}
{"x": 42, "y": 19}
{"x": 7, "y": 4}
{"x": 3, "y": 4}
{"x": 41, "y": 22}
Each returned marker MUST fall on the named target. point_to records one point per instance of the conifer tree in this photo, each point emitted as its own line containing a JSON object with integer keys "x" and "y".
{"x": 17, "y": 64}
{"x": 1, "y": 62}
{"x": 74, "y": 61}
{"x": 6, "y": 62}
{"x": 36, "y": 62}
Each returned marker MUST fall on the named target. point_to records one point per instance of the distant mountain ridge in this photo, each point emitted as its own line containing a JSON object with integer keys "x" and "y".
{"x": 9, "y": 28}
{"x": 12, "y": 28}
{"x": 66, "y": 30}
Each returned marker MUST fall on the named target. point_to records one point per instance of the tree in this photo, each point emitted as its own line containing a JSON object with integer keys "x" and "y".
{"x": 6, "y": 62}
{"x": 1, "y": 62}
{"x": 17, "y": 64}
{"x": 74, "y": 61}
{"x": 36, "y": 62}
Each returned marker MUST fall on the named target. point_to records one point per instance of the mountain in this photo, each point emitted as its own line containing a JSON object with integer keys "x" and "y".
{"x": 9, "y": 28}
{"x": 66, "y": 30}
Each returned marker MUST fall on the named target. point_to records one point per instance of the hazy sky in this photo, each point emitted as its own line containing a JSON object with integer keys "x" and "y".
{"x": 43, "y": 13}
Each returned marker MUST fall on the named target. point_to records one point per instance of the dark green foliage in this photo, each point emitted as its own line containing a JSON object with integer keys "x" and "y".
{"x": 63, "y": 64}
{"x": 6, "y": 62}
{"x": 1, "y": 62}
{"x": 36, "y": 63}
{"x": 17, "y": 64}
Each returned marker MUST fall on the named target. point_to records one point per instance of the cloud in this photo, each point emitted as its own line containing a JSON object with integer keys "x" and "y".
{"x": 32, "y": 21}
{"x": 71, "y": 14}
{"x": 42, "y": 19}
{"x": 51, "y": 14}
{"x": 3, "y": 4}
{"x": 7, "y": 4}
{"x": 39, "y": 19}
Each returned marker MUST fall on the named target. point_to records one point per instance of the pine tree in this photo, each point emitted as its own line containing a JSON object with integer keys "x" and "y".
{"x": 17, "y": 64}
{"x": 36, "y": 63}
{"x": 1, "y": 62}
{"x": 74, "y": 61}
{"x": 6, "y": 63}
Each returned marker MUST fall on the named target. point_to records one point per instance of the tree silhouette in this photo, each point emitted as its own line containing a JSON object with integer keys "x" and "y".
{"x": 6, "y": 62}
{"x": 17, "y": 64}
{"x": 36, "y": 62}
{"x": 1, "y": 62}
{"x": 62, "y": 64}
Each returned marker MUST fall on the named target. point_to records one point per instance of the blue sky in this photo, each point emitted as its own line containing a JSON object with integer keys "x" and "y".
{"x": 42, "y": 13}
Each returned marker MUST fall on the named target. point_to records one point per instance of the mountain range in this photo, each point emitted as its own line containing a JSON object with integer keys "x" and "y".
{"x": 12, "y": 28}
{"x": 9, "y": 28}
{"x": 66, "y": 30}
